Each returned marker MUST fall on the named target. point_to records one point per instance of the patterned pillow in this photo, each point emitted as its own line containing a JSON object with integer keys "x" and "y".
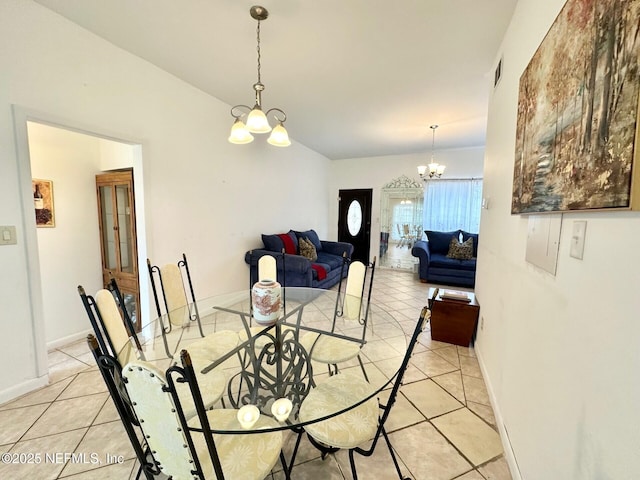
{"x": 460, "y": 251}
{"x": 307, "y": 249}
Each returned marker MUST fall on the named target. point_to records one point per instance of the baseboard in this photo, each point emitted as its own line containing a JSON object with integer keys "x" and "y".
{"x": 509, "y": 455}
{"x": 61, "y": 342}
{"x": 15, "y": 391}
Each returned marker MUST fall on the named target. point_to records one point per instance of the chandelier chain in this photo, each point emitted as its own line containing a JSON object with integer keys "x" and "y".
{"x": 258, "y": 50}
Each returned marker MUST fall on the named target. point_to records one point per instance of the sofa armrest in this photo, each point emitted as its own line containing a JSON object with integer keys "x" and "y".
{"x": 421, "y": 250}
{"x": 337, "y": 248}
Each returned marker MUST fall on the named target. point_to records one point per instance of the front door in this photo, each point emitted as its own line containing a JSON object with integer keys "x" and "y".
{"x": 354, "y": 221}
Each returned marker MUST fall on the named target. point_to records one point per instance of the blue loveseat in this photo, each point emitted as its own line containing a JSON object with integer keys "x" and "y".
{"x": 436, "y": 267}
{"x": 299, "y": 271}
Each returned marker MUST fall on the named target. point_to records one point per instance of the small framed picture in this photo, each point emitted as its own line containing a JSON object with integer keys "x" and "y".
{"x": 43, "y": 202}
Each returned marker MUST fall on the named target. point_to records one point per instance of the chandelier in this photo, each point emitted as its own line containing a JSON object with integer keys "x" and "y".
{"x": 248, "y": 120}
{"x": 435, "y": 169}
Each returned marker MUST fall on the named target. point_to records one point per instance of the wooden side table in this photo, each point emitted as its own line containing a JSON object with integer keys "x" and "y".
{"x": 454, "y": 321}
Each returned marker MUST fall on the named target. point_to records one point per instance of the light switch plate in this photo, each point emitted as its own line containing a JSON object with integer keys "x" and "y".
{"x": 577, "y": 239}
{"x": 8, "y": 235}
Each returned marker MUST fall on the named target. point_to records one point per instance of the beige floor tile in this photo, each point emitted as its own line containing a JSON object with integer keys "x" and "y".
{"x": 496, "y": 470}
{"x": 452, "y": 383}
{"x": 473, "y": 437}
{"x": 50, "y": 449}
{"x": 16, "y": 422}
{"x": 85, "y": 383}
{"x": 379, "y": 350}
{"x": 469, "y": 366}
{"x": 483, "y": 411}
{"x": 377, "y": 466}
{"x": 430, "y": 398}
{"x": 326, "y": 469}
{"x": 117, "y": 471}
{"x": 472, "y": 475}
{"x": 432, "y": 364}
{"x": 108, "y": 413}
{"x": 427, "y": 454}
{"x": 43, "y": 395}
{"x": 475, "y": 390}
{"x": 403, "y": 414}
{"x": 65, "y": 369}
{"x": 76, "y": 349}
{"x": 102, "y": 443}
{"x": 66, "y": 415}
{"x": 450, "y": 354}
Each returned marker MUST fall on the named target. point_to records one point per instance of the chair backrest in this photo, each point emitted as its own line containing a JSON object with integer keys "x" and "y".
{"x": 352, "y": 305}
{"x": 160, "y": 421}
{"x": 267, "y": 269}
{"x": 169, "y": 282}
{"x": 157, "y": 406}
{"x": 112, "y": 374}
{"x": 108, "y": 325}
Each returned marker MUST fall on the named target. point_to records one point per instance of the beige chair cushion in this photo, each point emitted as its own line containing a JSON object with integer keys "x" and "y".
{"x": 349, "y": 429}
{"x": 329, "y": 349}
{"x": 267, "y": 269}
{"x": 114, "y": 325}
{"x": 243, "y": 457}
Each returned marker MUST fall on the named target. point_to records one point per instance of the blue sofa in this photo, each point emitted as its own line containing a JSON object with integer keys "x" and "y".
{"x": 300, "y": 271}
{"x": 436, "y": 267}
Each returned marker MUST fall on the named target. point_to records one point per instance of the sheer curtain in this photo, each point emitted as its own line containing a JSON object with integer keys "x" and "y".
{"x": 452, "y": 205}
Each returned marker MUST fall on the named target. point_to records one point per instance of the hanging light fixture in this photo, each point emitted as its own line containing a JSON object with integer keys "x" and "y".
{"x": 434, "y": 169}
{"x": 255, "y": 120}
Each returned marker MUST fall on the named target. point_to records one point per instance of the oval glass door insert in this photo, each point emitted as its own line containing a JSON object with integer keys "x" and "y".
{"x": 354, "y": 218}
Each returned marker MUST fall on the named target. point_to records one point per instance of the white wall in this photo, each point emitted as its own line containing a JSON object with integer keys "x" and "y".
{"x": 560, "y": 353}
{"x": 375, "y": 172}
{"x": 203, "y": 196}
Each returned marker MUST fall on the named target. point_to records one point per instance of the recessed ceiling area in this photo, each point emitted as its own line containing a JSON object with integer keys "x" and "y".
{"x": 357, "y": 78}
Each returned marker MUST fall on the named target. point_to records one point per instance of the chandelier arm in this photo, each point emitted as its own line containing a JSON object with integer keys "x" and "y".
{"x": 238, "y": 116}
{"x": 277, "y": 110}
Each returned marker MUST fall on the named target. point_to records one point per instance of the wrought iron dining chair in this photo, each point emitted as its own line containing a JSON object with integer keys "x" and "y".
{"x": 116, "y": 336}
{"x": 364, "y": 423}
{"x": 112, "y": 374}
{"x": 353, "y": 307}
{"x": 187, "y": 449}
{"x": 171, "y": 282}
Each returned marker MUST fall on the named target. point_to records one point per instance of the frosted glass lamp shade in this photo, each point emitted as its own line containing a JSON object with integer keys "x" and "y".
{"x": 433, "y": 167}
{"x": 422, "y": 169}
{"x": 440, "y": 170}
{"x": 239, "y": 133}
{"x": 279, "y": 137}
{"x": 257, "y": 121}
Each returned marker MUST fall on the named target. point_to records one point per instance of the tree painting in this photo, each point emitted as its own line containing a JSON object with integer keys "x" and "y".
{"x": 578, "y": 110}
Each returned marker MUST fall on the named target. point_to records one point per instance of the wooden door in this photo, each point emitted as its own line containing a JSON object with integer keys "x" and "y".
{"x": 118, "y": 241}
{"x": 354, "y": 221}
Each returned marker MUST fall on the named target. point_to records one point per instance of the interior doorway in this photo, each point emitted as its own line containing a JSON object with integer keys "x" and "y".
{"x": 68, "y": 255}
{"x": 354, "y": 221}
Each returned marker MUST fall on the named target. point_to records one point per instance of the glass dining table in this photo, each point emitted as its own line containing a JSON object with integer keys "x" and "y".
{"x": 269, "y": 367}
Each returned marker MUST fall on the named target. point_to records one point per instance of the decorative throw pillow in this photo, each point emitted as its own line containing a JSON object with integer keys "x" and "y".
{"x": 307, "y": 249}
{"x": 460, "y": 251}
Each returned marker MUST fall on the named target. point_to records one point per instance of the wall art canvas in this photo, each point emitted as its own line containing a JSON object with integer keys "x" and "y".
{"x": 43, "y": 202}
{"x": 578, "y": 112}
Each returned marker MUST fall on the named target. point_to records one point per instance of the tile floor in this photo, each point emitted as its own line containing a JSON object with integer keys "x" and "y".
{"x": 442, "y": 425}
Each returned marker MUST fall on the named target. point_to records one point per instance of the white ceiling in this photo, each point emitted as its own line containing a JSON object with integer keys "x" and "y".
{"x": 357, "y": 78}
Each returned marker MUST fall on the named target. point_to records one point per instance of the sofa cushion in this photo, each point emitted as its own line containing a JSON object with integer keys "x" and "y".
{"x": 439, "y": 241}
{"x": 331, "y": 261}
{"x": 460, "y": 250}
{"x": 276, "y": 242}
{"x": 466, "y": 236}
{"x": 310, "y": 235}
{"x": 307, "y": 250}
{"x": 442, "y": 261}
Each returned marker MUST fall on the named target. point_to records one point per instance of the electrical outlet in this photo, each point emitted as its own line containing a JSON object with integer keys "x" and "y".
{"x": 8, "y": 235}
{"x": 482, "y": 323}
